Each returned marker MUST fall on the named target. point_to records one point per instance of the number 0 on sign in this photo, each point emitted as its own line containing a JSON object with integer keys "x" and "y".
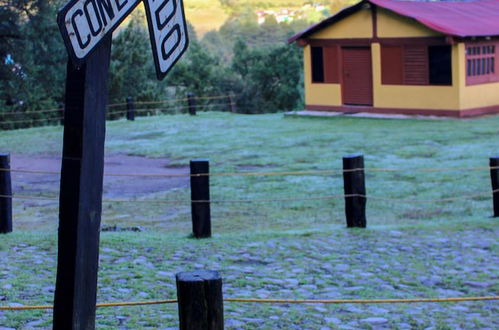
{"x": 168, "y": 33}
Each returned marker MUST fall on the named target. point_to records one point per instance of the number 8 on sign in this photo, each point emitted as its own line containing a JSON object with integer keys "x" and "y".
{"x": 168, "y": 32}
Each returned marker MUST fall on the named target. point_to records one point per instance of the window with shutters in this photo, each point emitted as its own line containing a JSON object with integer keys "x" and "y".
{"x": 325, "y": 64}
{"x": 416, "y": 65}
{"x": 481, "y": 63}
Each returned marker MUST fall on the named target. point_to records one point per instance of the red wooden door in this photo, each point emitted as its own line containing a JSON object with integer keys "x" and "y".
{"x": 357, "y": 83}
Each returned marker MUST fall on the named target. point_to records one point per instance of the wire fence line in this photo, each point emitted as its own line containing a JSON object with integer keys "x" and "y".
{"x": 265, "y": 200}
{"x": 276, "y": 301}
{"x": 31, "y": 112}
{"x": 112, "y": 113}
{"x": 277, "y": 173}
{"x": 122, "y": 112}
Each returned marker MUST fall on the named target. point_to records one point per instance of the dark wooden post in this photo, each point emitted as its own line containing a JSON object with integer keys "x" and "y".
{"x": 229, "y": 103}
{"x": 5, "y": 190}
{"x": 81, "y": 191}
{"x": 354, "y": 184}
{"x": 494, "y": 178}
{"x": 130, "y": 109}
{"x": 200, "y": 191}
{"x": 191, "y": 101}
{"x": 61, "y": 113}
{"x": 200, "y": 300}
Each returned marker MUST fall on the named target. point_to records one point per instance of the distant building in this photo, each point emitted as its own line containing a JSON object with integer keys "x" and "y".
{"x": 406, "y": 57}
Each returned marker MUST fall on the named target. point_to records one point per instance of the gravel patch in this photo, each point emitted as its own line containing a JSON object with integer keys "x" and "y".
{"x": 341, "y": 264}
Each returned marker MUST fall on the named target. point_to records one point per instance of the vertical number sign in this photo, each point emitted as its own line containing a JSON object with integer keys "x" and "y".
{"x": 168, "y": 33}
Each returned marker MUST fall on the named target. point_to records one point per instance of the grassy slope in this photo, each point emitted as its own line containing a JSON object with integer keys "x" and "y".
{"x": 205, "y": 15}
{"x": 208, "y": 15}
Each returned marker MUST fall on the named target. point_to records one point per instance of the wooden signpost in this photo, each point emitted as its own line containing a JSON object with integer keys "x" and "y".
{"x": 86, "y": 27}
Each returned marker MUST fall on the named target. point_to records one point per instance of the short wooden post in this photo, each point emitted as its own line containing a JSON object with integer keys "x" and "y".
{"x": 61, "y": 113}
{"x": 130, "y": 109}
{"x": 200, "y": 198}
{"x": 191, "y": 101}
{"x": 200, "y": 300}
{"x": 232, "y": 105}
{"x": 494, "y": 178}
{"x": 5, "y": 190}
{"x": 229, "y": 103}
{"x": 354, "y": 184}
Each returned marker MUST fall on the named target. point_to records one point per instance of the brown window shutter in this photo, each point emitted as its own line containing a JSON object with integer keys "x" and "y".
{"x": 416, "y": 65}
{"x": 392, "y": 65}
{"x": 331, "y": 64}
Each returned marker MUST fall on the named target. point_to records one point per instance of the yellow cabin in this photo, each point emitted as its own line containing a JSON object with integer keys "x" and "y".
{"x": 404, "y": 57}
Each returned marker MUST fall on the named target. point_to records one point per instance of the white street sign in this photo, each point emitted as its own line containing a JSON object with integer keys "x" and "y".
{"x": 168, "y": 33}
{"x": 83, "y": 23}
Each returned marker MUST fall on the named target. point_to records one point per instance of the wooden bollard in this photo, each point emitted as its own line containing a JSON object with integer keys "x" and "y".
{"x": 494, "y": 178}
{"x": 130, "y": 109}
{"x": 200, "y": 300}
{"x": 191, "y": 102}
{"x": 5, "y": 190}
{"x": 200, "y": 198}
{"x": 61, "y": 113}
{"x": 354, "y": 184}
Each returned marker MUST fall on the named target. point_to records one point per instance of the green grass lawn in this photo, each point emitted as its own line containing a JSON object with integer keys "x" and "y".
{"x": 301, "y": 239}
{"x": 273, "y": 143}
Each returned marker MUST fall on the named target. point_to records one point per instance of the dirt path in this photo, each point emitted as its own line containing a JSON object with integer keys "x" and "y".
{"x": 114, "y": 186}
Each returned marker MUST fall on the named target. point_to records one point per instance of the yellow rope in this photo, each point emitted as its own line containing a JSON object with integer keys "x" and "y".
{"x": 359, "y": 301}
{"x": 277, "y": 301}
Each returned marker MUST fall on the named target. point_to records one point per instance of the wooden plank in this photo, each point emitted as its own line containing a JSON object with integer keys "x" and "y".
{"x": 81, "y": 191}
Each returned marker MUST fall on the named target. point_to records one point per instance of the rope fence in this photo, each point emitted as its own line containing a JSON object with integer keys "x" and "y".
{"x": 277, "y": 173}
{"x": 265, "y": 200}
{"x": 172, "y": 106}
{"x": 354, "y": 193}
{"x": 277, "y": 301}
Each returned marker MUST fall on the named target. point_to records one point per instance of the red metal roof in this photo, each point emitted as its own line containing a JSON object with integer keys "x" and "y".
{"x": 461, "y": 18}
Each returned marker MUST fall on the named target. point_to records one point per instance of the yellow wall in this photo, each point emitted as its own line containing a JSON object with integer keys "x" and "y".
{"x": 357, "y": 25}
{"x": 319, "y": 94}
{"x": 391, "y": 25}
{"x": 412, "y": 97}
{"x": 475, "y": 96}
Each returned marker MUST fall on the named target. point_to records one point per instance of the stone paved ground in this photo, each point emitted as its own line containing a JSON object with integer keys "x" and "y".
{"x": 453, "y": 260}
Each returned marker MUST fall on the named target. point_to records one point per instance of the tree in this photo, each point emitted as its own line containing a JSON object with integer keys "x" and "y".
{"x": 271, "y": 76}
{"x": 37, "y": 77}
{"x": 132, "y": 68}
